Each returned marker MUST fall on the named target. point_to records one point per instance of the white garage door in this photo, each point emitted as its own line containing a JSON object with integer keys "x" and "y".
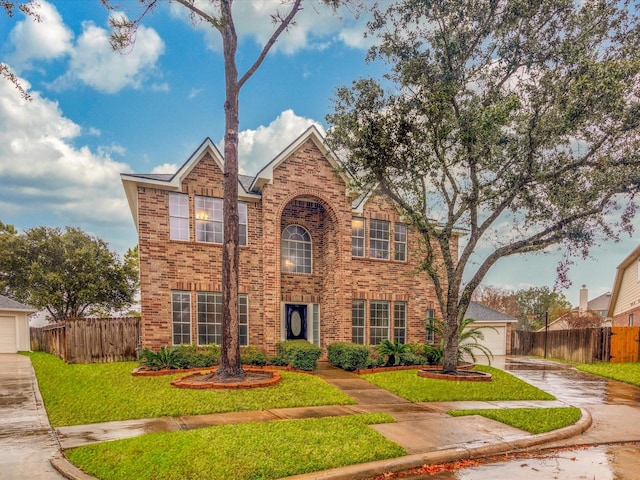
{"x": 495, "y": 340}
{"x": 8, "y": 335}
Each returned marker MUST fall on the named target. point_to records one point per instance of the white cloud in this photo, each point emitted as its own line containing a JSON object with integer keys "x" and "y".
{"x": 258, "y": 147}
{"x": 97, "y": 65}
{"x": 316, "y": 25}
{"x": 42, "y": 172}
{"x": 45, "y": 40}
{"x": 166, "y": 168}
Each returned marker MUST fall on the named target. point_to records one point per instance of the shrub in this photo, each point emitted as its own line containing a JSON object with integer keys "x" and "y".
{"x": 300, "y": 354}
{"x": 278, "y": 361}
{"x": 408, "y": 359}
{"x": 392, "y": 350}
{"x": 191, "y": 356}
{"x": 164, "y": 358}
{"x": 349, "y": 356}
{"x": 250, "y": 355}
{"x": 433, "y": 355}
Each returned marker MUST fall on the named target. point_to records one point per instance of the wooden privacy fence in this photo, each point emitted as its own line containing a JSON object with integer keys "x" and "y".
{"x": 583, "y": 345}
{"x": 90, "y": 340}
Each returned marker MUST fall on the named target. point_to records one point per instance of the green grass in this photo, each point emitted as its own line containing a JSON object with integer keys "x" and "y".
{"x": 246, "y": 451}
{"x": 532, "y": 420}
{"x": 504, "y": 386}
{"x": 624, "y": 372}
{"x": 92, "y": 393}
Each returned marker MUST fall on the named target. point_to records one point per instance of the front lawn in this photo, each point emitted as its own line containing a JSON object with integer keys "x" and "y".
{"x": 504, "y": 386}
{"x": 246, "y": 451}
{"x": 532, "y": 420}
{"x": 92, "y": 393}
{"x": 624, "y": 372}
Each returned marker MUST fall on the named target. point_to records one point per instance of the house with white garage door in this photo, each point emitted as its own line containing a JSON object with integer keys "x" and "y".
{"x": 14, "y": 325}
{"x": 497, "y": 335}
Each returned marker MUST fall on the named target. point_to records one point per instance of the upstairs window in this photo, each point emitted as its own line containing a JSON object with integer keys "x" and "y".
{"x": 210, "y": 224}
{"x": 379, "y": 239}
{"x": 357, "y": 236}
{"x": 400, "y": 242}
{"x": 296, "y": 250}
{"x": 178, "y": 216}
{"x": 208, "y": 219}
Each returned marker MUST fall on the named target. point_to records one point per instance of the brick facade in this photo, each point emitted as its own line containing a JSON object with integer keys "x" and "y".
{"x": 302, "y": 188}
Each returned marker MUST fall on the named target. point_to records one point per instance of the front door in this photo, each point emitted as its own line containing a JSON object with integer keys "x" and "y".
{"x": 296, "y": 319}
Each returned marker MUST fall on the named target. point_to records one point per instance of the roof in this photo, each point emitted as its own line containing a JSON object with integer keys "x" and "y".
{"x": 629, "y": 260}
{"x": 600, "y": 303}
{"x": 7, "y": 303}
{"x": 480, "y": 313}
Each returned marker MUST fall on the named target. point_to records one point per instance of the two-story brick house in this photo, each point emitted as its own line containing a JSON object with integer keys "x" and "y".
{"x": 315, "y": 263}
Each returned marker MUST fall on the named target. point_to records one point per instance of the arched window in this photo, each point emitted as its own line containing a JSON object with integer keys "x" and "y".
{"x": 296, "y": 250}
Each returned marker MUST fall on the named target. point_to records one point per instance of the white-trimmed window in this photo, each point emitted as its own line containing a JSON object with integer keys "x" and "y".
{"x": 400, "y": 242}
{"x": 379, "y": 239}
{"x": 358, "y": 321}
{"x": 430, "y": 337}
{"x": 181, "y": 317}
{"x": 242, "y": 221}
{"x": 210, "y": 223}
{"x": 178, "y": 216}
{"x": 296, "y": 250}
{"x": 210, "y": 318}
{"x": 378, "y": 322}
{"x": 209, "y": 219}
{"x": 357, "y": 236}
{"x": 400, "y": 322}
{"x": 243, "y": 319}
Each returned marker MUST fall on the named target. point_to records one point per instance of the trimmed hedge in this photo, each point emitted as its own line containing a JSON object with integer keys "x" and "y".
{"x": 349, "y": 356}
{"x": 299, "y": 354}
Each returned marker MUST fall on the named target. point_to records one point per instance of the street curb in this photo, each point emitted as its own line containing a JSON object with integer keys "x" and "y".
{"x": 409, "y": 462}
{"x": 398, "y": 464}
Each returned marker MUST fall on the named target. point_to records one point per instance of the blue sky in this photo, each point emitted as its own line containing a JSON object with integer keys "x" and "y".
{"x": 96, "y": 113}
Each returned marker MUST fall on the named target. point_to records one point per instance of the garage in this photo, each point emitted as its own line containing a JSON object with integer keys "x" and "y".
{"x": 499, "y": 325}
{"x": 14, "y": 325}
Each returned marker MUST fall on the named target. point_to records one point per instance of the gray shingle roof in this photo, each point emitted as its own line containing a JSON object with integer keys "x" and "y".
{"x": 480, "y": 313}
{"x": 7, "y": 303}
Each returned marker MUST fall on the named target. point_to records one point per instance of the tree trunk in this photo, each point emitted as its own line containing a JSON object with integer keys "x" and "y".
{"x": 451, "y": 336}
{"x": 230, "y": 364}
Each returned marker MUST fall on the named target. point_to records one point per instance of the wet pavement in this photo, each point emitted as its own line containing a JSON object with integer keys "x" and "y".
{"x": 26, "y": 439}
{"x": 423, "y": 429}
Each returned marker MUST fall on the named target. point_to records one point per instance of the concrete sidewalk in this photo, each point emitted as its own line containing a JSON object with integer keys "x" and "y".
{"x": 423, "y": 429}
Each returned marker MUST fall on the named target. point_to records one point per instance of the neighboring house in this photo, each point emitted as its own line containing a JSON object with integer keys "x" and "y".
{"x": 315, "y": 262}
{"x": 14, "y": 326}
{"x": 624, "y": 308}
{"x": 589, "y": 313}
{"x": 497, "y": 335}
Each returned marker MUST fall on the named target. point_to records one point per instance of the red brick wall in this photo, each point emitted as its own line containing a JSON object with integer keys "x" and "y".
{"x": 304, "y": 191}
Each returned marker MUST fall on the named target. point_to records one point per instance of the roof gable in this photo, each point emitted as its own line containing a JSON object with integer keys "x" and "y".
{"x": 7, "y": 303}
{"x": 617, "y": 283}
{"x": 312, "y": 133}
{"x": 480, "y": 313}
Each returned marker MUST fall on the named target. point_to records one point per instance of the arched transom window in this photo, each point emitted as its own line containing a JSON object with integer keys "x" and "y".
{"x": 296, "y": 250}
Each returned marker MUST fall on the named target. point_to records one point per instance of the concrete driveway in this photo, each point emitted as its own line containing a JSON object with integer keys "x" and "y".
{"x": 26, "y": 439}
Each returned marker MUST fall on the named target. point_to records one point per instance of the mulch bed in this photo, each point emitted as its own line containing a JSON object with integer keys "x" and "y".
{"x": 254, "y": 378}
{"x": 458, "y": 376}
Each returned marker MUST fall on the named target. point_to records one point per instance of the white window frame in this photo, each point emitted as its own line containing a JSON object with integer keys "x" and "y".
{"x": 209, "y": 318}
{"x": 243, "y": 222}
{"x": 400, "y": 242}
{"x": 243, "y": 319}
{"x": 178, "y": 216}
{"x": 379, "y": 239}
{"x": 400, "y": 322}
{"x": 359, "y": 330}
{"x": 209, "y": 223}
{"x": 180, "y": 315}
{"x": 358, "y": 241}
{"x": 379, "y": 321}
{"x": 296, "y": 250}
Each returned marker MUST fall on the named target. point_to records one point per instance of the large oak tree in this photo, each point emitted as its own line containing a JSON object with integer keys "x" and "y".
{"x": 511, "y": 122}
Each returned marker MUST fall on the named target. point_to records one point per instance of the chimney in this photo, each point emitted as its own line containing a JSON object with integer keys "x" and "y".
{"x": 584, "y": 299}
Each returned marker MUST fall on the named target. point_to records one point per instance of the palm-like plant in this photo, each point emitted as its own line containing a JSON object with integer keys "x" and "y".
{"x": 468, "y": 340}
{"x": 392, "y": 350}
